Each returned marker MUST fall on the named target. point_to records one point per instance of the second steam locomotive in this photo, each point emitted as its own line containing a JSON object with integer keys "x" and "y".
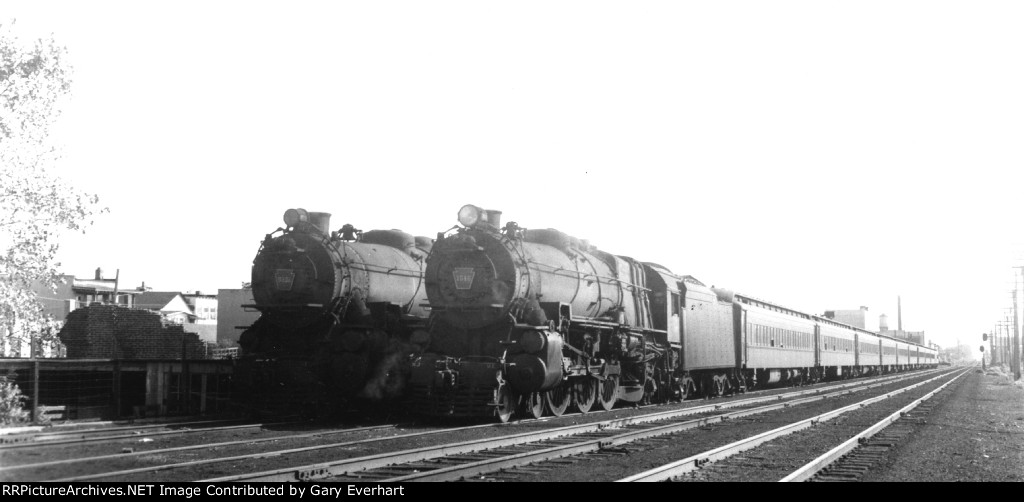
{"x": 537, "y": 321}
{"x": 340, "y": 312}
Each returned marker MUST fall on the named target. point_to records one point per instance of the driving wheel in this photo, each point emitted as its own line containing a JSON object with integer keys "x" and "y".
{"x": 558, "y": 399}
{"x": 609, "y": 390}
{"x": 505, "y": 403}
{"x": 584, "y": 393}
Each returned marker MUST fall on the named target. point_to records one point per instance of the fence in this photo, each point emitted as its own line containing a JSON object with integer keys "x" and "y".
{"x": 111, "y": 389}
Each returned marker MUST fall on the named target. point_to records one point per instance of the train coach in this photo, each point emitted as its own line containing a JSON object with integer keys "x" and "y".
{"x": 535, "y": 321}
{"x": 340, "y": 312}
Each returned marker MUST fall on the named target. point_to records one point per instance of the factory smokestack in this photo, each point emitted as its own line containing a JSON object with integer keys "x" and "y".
{"x": 899, "y": 315}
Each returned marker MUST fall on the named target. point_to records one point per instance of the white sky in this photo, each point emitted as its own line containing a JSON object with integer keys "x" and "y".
{"x": 824, "y": 155}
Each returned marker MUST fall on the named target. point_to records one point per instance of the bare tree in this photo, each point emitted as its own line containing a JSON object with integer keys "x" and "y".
{"x": 35, "y": 205}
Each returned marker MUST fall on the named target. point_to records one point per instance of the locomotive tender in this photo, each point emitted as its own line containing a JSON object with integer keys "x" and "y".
{"x": 340, "y": 312}
{"x": 538, "y": 321}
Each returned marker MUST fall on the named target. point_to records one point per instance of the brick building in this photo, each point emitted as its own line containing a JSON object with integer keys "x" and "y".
{"x": 110, "y": 331}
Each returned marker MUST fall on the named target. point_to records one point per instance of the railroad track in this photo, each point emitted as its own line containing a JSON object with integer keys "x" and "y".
{"x": 129, "y": 432}
{"x": 165, "y": 462}
{"x": 853, "y": 458}
{"x": 98, "y": 459}
{"x": 477, "y": 458}
{"x": 731, "y": 465}
{"x": 81, "y": 432}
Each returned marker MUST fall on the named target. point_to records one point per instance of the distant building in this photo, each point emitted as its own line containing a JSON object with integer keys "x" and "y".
{"x": 195, "y": 312}
{"x": 58, "y": 304}
{"x": 170, "y": 304}
{"x": 71, "y": 294}
{"x": 910, "y": 336}
{"x": 204, "y": 316}
{"x": 203, "y": 306}
{"x": 101, "y": 290}
{"x": 232, "y": 318}
{"x": 857, "y": 318}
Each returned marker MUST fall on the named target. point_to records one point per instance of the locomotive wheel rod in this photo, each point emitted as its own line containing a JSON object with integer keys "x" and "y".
{"x": 694, "y": 462}
{"x": 341, "y": 467}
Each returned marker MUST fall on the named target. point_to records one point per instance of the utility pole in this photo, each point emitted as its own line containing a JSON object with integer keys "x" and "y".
{"x": 992, "y": 345}
{"x": 1016, "y": 336}
{"x": 992, "y": 348}
{"x": 1007, "y": 350}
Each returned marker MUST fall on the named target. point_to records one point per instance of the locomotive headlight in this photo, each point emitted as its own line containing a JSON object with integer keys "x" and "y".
{"x": 293, "y": 217}
{"x": 469, "y": 215}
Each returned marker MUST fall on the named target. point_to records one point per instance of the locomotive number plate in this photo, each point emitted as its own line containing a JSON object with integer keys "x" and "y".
{"x": 283, "y": 279}
{"x": 463, "y": 277}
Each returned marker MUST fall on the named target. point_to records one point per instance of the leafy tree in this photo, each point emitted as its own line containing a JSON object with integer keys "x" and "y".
{"x": 35, "y": 205}
{"x": 12, "y": 402}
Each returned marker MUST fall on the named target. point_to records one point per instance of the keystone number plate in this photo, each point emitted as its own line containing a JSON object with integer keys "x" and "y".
{"x": 463, "y": 277}
{"x": 283, "y": 279}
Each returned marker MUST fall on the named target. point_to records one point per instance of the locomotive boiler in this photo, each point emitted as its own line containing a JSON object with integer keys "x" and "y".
{"x": 534, "y": 319}
{"x": 340, "y": 313}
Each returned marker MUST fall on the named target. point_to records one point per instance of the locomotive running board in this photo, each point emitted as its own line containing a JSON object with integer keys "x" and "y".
{"x": 285, "y": 307}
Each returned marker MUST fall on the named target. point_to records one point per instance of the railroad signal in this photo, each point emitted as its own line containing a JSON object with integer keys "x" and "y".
{"x": 984, "y": 337}
{"x": 982, "y": 348}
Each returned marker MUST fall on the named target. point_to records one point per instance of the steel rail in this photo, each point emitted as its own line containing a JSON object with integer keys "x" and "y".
{"x": 344, "y": 466}
{"x": 811, "y": 468}
{"x": 250, "y": 456}
{"x": 42, "y": 434}
{"x": 458, "y": 472}
{"x": 640, "y": 419}
{"x": 62, "y": 442}
{"x": 191, "y": 447}
{"x": 693, "y": 462}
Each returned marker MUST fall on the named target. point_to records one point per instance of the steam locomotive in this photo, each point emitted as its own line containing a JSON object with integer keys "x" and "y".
{"x": 535, "y": 321}
{"x": 340, "y": 313}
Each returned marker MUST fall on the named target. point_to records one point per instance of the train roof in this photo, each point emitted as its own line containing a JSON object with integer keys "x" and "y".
{"x": 862, "y": 330}
{"x": 765, "y": 304}
{"x": 749, "y": 300}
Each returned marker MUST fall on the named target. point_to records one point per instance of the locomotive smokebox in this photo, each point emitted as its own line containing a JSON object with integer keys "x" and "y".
{"x": 322, "y": 221}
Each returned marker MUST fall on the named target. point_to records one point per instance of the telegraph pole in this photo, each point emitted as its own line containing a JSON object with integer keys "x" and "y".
{"x": 991, "y": 341}
{"x": 992, "y": 345}
{"x": 1007, "y": 350}
{"x": 1016, "y": 335}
